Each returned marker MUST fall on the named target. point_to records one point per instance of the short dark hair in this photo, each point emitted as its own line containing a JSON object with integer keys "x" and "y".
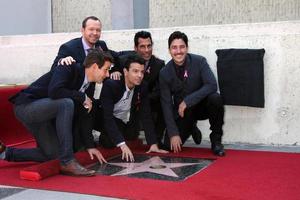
{"x": 141, "y": 34}
{"x": 178, "y": 35}
{"x": 97, "y": 56}
{"x": 87, "y": 18}
{"x": 133, "y": 58}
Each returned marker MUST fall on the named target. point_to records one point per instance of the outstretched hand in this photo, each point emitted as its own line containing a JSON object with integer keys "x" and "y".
{"x": 176, "y": 143}
{"x": 95, "y": 152}
{"x": 126, "y": 153}
{"x": 154, "y": 148}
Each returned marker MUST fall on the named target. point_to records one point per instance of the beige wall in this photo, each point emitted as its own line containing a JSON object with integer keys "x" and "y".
{"x": 25, "y": 58}
{"x": 68, "y": 14}
{"x": 169, "y": 13}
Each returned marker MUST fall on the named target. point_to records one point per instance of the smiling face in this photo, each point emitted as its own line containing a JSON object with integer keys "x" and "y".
{"x": 92, "y": 31}
{"x": 134, "y": 75}
{"x": 144, "y": 48}
{"x": 178, "y": 51}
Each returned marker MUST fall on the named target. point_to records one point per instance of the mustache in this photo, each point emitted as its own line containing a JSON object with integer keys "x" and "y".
{"x": 180, "y": 54}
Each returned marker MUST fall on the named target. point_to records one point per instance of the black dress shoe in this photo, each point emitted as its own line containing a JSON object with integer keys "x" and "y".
{"x": 2, "y": 147}
{"x": 73, "y": 168}
{"x": 196, "y": 135}
{"x": 218, "y": 149}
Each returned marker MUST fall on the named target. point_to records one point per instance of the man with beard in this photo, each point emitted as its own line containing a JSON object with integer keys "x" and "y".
{"x": 189, "y": 93}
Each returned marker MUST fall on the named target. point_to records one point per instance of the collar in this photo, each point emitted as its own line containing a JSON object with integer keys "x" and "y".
{"x": 127, "y": 89}
{"x": 85, "y": 45}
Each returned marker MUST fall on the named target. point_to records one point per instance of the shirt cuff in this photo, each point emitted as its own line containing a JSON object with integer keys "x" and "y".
{"x": 120, "y": 144}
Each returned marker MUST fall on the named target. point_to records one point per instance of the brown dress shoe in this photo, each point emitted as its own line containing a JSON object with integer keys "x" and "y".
{"x": 2, "y": 147}
{"x": 73, "y": 168}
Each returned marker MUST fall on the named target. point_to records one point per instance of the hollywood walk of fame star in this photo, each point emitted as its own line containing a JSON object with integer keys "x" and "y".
{"x": 154, "y": 164}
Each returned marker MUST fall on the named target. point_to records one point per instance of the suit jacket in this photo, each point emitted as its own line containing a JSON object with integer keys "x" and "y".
{"x": 151, "y": 76}
{"x": 112, "y": 92}
{"x": 62, "y": 82}
{"x": 198, "y": 84}
{"x": 75, "y": 49}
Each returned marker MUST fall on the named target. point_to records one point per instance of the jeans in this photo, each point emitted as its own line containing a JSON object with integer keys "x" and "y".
{"x": 50, "y": 122}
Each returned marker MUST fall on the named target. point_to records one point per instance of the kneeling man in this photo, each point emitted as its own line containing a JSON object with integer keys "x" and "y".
{"x": 124, "y": 103}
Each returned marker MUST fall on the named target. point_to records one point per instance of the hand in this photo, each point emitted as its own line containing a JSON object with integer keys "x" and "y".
{"x": 67, "y": 61}
{"x": 181, "y": 109}
{"x": 88, "y": 104}
{"x": 154, "y": 148}
{"x": 126, "y": 153}
{"x": 95, "y": 152}
{"x": 175, "y": 143}
{"x": 115, "y": 76}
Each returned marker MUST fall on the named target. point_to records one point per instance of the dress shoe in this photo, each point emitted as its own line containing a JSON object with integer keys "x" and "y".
{"x": 196, "y": 135}
{"x": 218, "y": 149}
{"x": 73, "y": 168}
{"x": 2, "y": 150}
{"x": 2, "y": 147}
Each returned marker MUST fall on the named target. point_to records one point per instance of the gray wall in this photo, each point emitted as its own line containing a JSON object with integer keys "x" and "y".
{"x": 25, "y": 17}
{"x": 68, "y": 14}
{"x": 117, "y": 14}
{"x": 34, "y": 16}
{"x": 171, "y": 13}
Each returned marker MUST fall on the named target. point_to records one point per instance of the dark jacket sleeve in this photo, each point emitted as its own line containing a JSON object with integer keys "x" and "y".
{"x": 107, "y": 104}
{"x": 209, "y": 83}
{"x": 59, "y": 86}
{"x": 146, "y": 119}
{"x": 167, "y": 104}
{"x": 63, "y": 52}
{"x": 119, "y": 58}
{"x": 154, "y": 94}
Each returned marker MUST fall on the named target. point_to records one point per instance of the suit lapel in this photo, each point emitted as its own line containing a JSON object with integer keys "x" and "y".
{"x": 81, "y": 52}
{"x": 79, "y": 76}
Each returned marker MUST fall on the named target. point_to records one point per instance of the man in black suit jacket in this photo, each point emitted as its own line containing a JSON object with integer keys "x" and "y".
{"x": 143, "y": 46}
{"x": 123, "y": 103}
{"x": 189, "y": 93}
{"x": 46, "y": 108}
{"x": 76, "y": 49}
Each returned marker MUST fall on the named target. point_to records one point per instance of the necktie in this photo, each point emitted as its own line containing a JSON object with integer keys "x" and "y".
{"x": 84, "y": 87}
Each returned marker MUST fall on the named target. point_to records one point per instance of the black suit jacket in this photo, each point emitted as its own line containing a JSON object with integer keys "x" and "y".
{"x": 62, "y": 82}
{"x": 75, "y": 49}
{"x": 151, "y": 76}
{"x": 112, "y": 92}
{"x": 199, "y": 83}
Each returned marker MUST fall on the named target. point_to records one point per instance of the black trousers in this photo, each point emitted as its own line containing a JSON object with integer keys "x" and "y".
{"x": 129, "y": 130}
{"x": 82, "y": 128}
{"x": 210, "y": 108}
{"x": 158, "y": 120}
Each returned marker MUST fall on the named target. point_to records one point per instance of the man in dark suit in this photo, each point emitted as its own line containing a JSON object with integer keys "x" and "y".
{"x": 124, "y": 102}
{"x": 189, "y": 93}
{"x": 76, "y": 49}
{"x": 46, "y": 108}
{"x": 143, "y": 46}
